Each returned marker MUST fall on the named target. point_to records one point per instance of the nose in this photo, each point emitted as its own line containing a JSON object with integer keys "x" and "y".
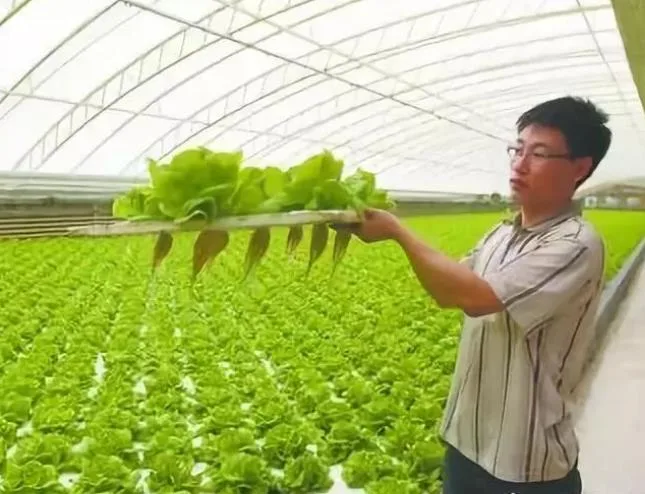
{"x": 520, "y": 163}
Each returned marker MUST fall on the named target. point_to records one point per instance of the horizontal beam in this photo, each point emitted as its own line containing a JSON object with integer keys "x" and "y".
{"x": 250, "y": 222}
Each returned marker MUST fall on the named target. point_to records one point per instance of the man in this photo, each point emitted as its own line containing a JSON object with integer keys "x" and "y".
{"x": 529, "y": 290}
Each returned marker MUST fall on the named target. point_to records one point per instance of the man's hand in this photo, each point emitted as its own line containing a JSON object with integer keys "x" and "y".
{"x": 377, "y": 226}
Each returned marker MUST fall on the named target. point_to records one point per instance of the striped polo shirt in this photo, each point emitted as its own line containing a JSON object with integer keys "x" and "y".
{"x": 510, "y": 405}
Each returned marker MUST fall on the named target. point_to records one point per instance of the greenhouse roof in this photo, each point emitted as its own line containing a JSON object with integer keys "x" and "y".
{"x": 423, "y": 93}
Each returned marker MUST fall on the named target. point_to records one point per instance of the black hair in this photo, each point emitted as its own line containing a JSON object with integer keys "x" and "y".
{"x": 582, "y": 124}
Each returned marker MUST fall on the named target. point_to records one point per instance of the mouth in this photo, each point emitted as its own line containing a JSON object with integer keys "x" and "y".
{"x": 516, "y": 183}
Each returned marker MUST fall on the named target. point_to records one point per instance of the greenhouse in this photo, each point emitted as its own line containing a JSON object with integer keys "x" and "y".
{"x": 264, "y": 246}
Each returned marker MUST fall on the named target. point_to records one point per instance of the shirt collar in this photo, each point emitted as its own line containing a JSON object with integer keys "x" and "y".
{"x": 571, "y": 211}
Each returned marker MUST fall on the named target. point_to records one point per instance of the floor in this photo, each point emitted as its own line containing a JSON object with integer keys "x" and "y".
{"x": 611, "y": 425}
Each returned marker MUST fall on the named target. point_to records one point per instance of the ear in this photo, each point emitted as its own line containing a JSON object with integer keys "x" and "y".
{"x": 582, "y": 168}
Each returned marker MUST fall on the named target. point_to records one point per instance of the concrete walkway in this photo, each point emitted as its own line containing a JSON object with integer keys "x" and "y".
{"x": 611, "y": 425}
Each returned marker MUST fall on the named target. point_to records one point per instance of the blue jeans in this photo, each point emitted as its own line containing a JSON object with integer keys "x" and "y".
{"x": 462, "y": 476}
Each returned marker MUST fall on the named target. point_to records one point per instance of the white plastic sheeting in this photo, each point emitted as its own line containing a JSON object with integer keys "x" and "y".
{"x": 426, "y": 93}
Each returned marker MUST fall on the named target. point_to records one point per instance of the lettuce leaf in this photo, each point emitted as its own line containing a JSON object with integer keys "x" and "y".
{"x": 138, "y": 204}
{"x": 196, "y": 183}
{"x": 242, "y": 472}
{"x": 389, "y": 485}
{"x": 364, "y": 467}
{"x": 199, "y": 184}
{"x": 306, "y": 474}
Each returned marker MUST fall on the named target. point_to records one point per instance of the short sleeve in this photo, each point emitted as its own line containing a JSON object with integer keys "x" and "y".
{"x": 468, "y": 259}
{"x": 536, "y": 284}
{"x": 471, "y": 256}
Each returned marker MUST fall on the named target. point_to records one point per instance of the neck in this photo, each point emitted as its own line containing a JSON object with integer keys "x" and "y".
{"x": 532, "y": 216}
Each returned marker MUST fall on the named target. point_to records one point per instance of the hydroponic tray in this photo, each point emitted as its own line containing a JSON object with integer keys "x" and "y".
{"x": 293, "y": 218}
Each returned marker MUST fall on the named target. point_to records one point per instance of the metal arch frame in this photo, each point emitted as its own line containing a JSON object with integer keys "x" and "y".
{"x": 309, "y": 127}
{"x": 498, "y": 25}
{"x": 409, "y": 171}
{"x": 14, "y": 10}
{"x": 321, "y": 142}
{"x": 335, "y": 145}
{"x": 114, "y": 109}
{"x": 446, "y": 171}
{"x": 404, "y": 157}
{"x": 420, "y": 165}
{"x": 453, "y": 35}
{"x": 599, "y": 83}
{"x": 331, "y": 48}
{"x": 345, "y": 143}
{"x": 519, "y": 62}
{"x": 198, "y": 73}
{"x": 405, "y": 140}
{"x": 372, "y": 129}
{"x": 368, "y": 117}
{"x": 416, "y": 87}
{"x": 411, "y": 69}
{"x": 203, "y": 108}
{"x": 445, "y": 142}
{"x": 62, "y": 43}
{"x": 446, "y": 139}
{"x": 516, "y": 109}
{"x": 139, "y": 60}
{"x": 520, "y": 92}
{"x": 439, "y": 164}
{"x": 422, "y": 129}
{"x": 297, "y": 115}
{"x": 243, "y": 131}
{"x": 596, "y": 83}
{"x": 404, "y": 131}
{"x": 366, "y": 148}
{"x": 459, "y": 170}
{"x": 480, "y": 52}
{"x": 510, "y": 109}
{"x": 425, "y": 143}
{"x": 119, "y": 74}
{"x": 159, "y": 140}
{"x": 435, "y": 40}
{"x": 542, "y": 71}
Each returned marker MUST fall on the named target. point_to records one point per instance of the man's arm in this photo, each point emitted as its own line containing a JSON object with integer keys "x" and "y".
{"x": 452, "y": 284}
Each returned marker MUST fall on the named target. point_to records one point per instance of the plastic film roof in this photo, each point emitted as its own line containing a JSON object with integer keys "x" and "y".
{"x": 425, "y": 93}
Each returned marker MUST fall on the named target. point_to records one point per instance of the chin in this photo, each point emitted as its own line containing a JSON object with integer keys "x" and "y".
{"x": 514, "y": 195}
{"x": 517, "y": 198}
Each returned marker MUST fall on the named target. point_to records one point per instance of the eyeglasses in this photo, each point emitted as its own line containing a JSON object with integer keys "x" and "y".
{"x": 516, "y": 152}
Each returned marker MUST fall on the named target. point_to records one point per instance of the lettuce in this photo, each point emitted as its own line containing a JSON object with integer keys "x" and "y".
{"x": 239, "y": 440}
{"x": 242, "y": 473}
{"x": 199, "y": 184}
{"x": 15, "y": 408}
{"x": 364, "y": 467}
{"x": 171, "y": 469}
{"x": 285, "y": 441}
{"x": 346, "y": 437}
{"x": 307, "y": 474}
{"x": 389, "y": 485}
{"x": 138, "y": 204}
{"x": 32, "y": 476}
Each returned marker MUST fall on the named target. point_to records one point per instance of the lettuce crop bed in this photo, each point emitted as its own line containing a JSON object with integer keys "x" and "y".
{"x": 115, "y": 382}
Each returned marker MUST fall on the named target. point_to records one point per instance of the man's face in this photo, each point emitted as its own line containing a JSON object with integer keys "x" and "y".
{"x": 542, "y": 172}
